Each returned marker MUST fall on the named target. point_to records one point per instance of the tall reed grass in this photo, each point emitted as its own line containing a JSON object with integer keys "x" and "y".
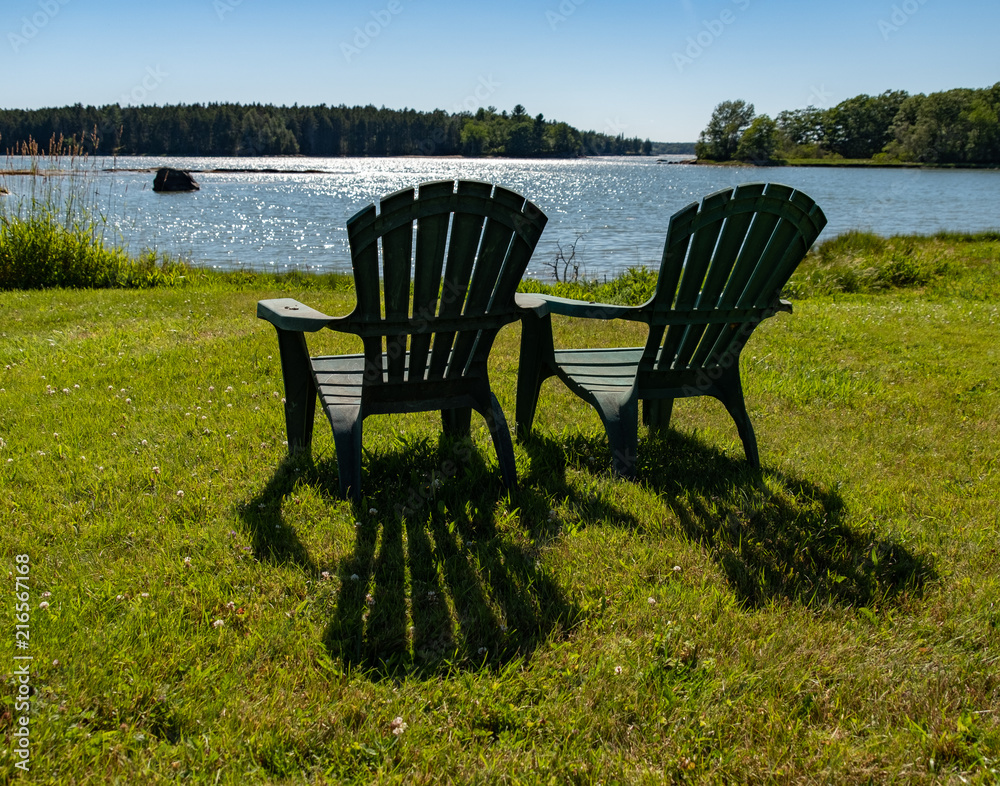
{"x": 54, "y": 232}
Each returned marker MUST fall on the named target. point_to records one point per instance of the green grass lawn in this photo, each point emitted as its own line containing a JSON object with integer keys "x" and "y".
{"x": 215, "y": 614}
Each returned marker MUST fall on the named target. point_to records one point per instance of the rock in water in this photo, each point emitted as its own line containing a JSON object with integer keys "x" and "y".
{"x": 174, "y": 180}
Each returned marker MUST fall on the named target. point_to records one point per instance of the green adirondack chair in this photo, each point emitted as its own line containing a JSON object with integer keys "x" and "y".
{"x": 724, "y": 265}
{"x": 450, "y": 257}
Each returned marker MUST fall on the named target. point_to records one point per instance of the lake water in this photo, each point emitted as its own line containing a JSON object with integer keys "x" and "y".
{"x": 619, "y": 206}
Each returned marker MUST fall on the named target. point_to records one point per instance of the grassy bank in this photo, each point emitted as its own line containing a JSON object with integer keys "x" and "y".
{"x": 214, "y": 613}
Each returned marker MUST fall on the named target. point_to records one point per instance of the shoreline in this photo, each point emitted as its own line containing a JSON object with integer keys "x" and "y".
{"x": 838, "y": 164}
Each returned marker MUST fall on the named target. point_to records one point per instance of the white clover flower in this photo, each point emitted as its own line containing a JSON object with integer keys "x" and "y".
{"x": 218, "y": 624}
{"x": 398, "y": 726}
{"x": 43, "y": 605}
{"x": 180, "y": 493}
{"x": 651, "y": 601}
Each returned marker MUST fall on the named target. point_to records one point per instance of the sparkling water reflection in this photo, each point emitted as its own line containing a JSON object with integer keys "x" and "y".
{"x": 295, "y": 217}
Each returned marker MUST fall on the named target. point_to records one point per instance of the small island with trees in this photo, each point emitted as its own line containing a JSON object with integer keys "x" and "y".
{"x": 958, "y": 127}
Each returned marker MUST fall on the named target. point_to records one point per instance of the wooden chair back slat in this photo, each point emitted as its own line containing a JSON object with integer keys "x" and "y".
{"x": 734, "y": 251}
{"x": 472, "y": 244}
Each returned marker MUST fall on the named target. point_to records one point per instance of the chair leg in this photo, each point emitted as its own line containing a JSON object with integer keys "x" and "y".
{"x": 300, "y": 390}
{"x": 502, "y": 443}
{"x": 534, "y": 366}
{"x": 656, "y": 414}
{"x": 731, "y": 389}
{"x": 457, "y": 422}
{"x": 347, "y": 427}
{"x": 621, "y": 422}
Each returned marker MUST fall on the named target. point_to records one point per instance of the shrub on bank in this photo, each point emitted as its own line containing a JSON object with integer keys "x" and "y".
{"x": 37, "y": 252}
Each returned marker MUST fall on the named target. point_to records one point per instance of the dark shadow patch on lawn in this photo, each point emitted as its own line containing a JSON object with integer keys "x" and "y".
{"x": 441, "y": 584}
{"x": 547, "y": 475}
{"x": 271, "y": 539}
{"x": 789, "y": 543}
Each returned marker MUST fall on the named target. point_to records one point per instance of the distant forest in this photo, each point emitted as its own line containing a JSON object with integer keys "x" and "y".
{"x": 265, "y": 130}
{"x": 952, "y": 127}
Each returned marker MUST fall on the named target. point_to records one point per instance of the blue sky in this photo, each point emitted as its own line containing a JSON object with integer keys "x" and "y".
{"x": 651, "y": 70}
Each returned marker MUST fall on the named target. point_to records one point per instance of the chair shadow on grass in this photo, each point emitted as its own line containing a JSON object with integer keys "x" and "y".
{"x": 441, "y": 576}
{"x": 786, "y": 539}
{"x": 271, "y": 541}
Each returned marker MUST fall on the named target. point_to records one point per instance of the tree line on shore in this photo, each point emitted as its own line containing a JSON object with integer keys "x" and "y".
{"x": 960, "y": 126}
{"x": 267, "y": 130}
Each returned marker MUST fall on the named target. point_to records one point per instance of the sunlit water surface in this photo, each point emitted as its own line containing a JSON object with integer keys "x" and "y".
{"x": 619, "y": 207}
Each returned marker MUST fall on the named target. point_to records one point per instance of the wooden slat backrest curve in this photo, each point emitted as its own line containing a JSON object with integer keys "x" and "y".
{"x": 473, "y": 243}
{"x": 734, "y": 251}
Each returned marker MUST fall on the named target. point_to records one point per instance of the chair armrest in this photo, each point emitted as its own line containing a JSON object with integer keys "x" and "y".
{"x": 527, "y": 301}
{"x": 288, "y": 314}
{"x": 579, "y": 308}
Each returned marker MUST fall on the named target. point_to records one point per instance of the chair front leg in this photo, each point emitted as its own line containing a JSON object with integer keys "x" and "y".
{"x": 347, "y": 422}
{"x": 534, "y": 367}
{"x": 300, "y": 390}
{"x": 621, "y": 422}
{"x": 656, "y": 414}
{"x": 457, "y": 423}
{"x": 500, "y": 432}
